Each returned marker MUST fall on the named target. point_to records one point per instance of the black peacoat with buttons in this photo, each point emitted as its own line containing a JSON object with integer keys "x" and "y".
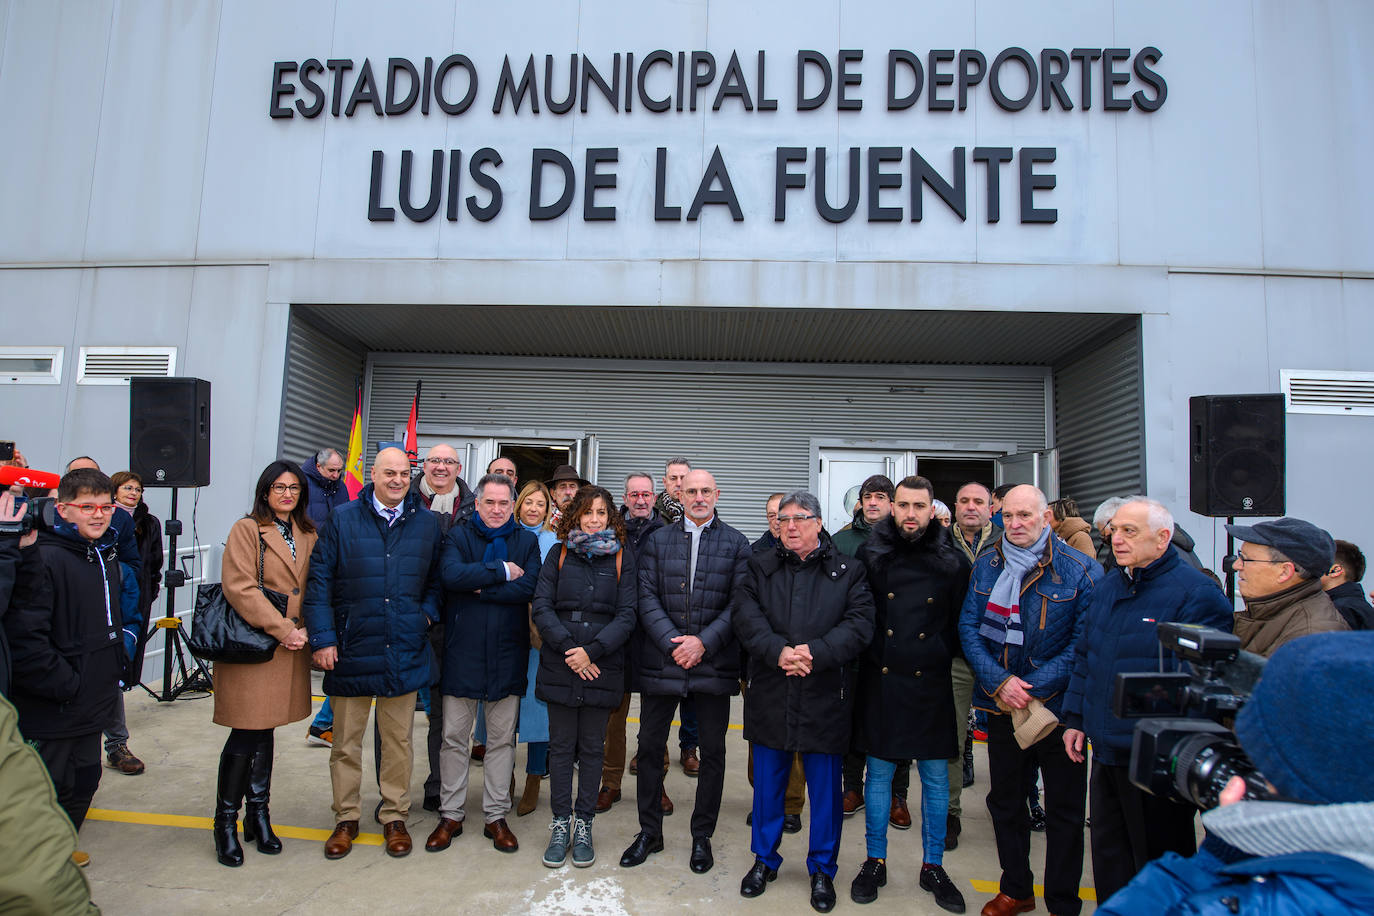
{"x": 905, "y": 705}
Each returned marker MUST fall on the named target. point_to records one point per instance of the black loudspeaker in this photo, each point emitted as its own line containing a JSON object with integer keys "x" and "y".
{"x": 169, "y": 431}
{"x": 1237, "y": 451}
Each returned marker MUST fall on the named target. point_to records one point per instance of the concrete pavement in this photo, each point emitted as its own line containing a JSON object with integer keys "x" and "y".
{"x": 151, "y": 849}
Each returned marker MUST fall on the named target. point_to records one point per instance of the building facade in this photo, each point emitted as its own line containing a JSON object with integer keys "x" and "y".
{"x": 797, "y": 242}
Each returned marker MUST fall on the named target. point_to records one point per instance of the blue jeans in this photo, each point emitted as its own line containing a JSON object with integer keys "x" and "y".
{"x": 537, "y": 758}
{"x": 324, "y": 719}
{"x": 934, "y": 807}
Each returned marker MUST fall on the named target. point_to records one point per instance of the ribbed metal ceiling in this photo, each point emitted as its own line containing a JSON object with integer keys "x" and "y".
{"x": 879, "y": 336}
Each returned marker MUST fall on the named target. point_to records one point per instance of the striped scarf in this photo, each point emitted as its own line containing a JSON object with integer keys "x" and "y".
{"x": 1002, "y": 618}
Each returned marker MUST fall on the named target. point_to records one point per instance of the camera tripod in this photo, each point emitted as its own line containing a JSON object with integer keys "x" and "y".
{"x": 192, "y": 676}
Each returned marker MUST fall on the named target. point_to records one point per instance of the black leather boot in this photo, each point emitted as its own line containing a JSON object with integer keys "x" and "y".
{"x": 256, "y": 824}
{"x": 233, "y": 782}
{"x": 968, "y": 760}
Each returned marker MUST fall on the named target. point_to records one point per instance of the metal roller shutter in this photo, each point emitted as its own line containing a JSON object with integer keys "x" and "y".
{"x": 752, "y": 429}
{"x": 1099, "y": 422}
{"x": 317, "y": 396}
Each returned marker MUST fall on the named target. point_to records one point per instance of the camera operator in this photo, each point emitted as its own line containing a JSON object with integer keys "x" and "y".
{"x": 1279, "y": 857}
{"x": 1150, "y": 584}
{"x": 1278, "y": 571}
{"x": 20, "y": 570}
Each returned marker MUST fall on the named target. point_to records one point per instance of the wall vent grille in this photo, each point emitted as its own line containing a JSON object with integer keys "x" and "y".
{"x": 116, "y": 365}
{"x": 1318, "y": 391}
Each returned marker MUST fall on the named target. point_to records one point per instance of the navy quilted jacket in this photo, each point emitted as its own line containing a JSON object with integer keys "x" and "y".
{"x": 372, "y": 592}
{"x": 486, "y": 618}
{"x": 1120, "y": 634}
{"x": 670, "y": 607}
{"x": 1054, "y": 596}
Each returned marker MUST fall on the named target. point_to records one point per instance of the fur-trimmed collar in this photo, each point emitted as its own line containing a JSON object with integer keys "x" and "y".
{"x": 932, "y": 549}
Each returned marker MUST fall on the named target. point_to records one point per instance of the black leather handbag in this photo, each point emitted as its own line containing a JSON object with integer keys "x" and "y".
{"x": 220, "y": 634}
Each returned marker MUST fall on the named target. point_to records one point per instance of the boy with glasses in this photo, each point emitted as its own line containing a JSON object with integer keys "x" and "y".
{"x": 67, "y": 645}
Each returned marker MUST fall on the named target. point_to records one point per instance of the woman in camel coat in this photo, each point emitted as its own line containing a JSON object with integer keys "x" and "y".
{"x": 252, "y": 700}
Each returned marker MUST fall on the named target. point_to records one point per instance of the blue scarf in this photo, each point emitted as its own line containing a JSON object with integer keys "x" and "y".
{"x": 602, "y": 544}
{"x": 1002, "y": 617}
{"x": 495, "y": 537}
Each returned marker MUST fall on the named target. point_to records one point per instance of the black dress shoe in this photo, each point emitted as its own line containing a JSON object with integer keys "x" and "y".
{"x": 640, "y": 850}
{"x": 791, "y": 823}
{"x": 822, "y": 892}
{"x": 755, "y": 882}
{"x": 701, "y": 860}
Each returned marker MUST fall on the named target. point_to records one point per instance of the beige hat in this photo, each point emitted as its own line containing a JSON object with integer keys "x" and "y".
{"x": 1033, "y": 723}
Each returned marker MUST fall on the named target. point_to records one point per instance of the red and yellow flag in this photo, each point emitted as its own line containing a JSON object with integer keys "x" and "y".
{"x": 412, "y": 443}
{"x": 353, "y": 469}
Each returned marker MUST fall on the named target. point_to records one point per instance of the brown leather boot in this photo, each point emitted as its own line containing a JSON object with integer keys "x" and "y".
{"x": 530, "y": 799}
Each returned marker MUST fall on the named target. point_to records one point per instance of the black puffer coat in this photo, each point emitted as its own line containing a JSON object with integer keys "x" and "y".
{"x": 669, "y": 608}
{"x": 637, "y": 532}
{"x": 68, "y": 651}
{"x": 822, "y": 601}
{"x": 586, "y": 603}
{"x": 905, "y": 707}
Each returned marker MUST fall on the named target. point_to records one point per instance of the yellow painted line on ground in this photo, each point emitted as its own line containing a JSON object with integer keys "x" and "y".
{"x": 992, "y": 887}
{"x": 205, "y": 823}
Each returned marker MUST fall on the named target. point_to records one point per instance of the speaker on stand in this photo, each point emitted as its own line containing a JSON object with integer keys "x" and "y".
{"x": 1237, "y": 460}
{"x": 169, "y": 446}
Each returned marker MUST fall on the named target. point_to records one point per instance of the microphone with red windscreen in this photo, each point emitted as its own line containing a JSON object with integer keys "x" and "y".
{"x": 28, "y": 477}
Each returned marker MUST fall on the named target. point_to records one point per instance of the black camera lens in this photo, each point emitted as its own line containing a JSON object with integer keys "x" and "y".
{"x": 1203, "y": 764}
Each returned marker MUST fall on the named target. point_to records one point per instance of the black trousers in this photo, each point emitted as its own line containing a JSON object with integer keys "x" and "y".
{"x": 74, "y": 766}
{"x": 1066, "y": 785}
{"x": 655, "y": 719}
{"x": 1131, "y": 828}
{"x": 581, "y": 729}
{"x": 854, "y": 764}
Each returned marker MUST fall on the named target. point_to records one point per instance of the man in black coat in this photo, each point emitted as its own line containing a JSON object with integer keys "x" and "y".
{"x": 1342, "y": 584}
{"x": 905, "y": 705}
{"x": 804, "y": 614}
{"x": 688, "y": 575}
{"x": 67, "y": 645}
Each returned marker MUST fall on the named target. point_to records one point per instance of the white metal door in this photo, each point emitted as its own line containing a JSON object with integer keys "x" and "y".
{"x": 1040, "y": 469}
{"x": 843, "y": 470}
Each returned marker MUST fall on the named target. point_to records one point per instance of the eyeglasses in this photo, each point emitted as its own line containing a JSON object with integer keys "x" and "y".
{"x": 92, "y": 508}
{"x": 786, "y": 519}
{"x": 280, "y": 488}
{"x": 446, "y": 462}
{"x": 640, "y": 494}
{"x": 1242, "y": 559}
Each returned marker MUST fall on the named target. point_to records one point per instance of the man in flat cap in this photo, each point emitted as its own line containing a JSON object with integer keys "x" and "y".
{"x": 1279, "y": 566}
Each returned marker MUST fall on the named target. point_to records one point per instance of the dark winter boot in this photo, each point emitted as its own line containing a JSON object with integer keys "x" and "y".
{"x": 968, "y": 759}
{"x": 256, "y": 824}
{"x": 233, "y": 783}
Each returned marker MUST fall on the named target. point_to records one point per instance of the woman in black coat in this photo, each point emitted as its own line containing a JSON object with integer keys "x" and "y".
{"x": 584, "y": 609}
{"x": 148, "y": 532}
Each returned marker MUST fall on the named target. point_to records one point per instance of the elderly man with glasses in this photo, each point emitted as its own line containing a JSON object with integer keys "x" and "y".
{"x": 803, "y": 612}
{"x": 442, "y": 488}
{"x": 1279, "y": 566}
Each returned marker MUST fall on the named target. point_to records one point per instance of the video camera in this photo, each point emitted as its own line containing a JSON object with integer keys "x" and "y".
{"x": 39, "y": 513}
{"x": 1183, "y": 747}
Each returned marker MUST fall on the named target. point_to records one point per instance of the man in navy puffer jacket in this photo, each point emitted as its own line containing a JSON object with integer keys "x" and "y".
{"x": 372, "y": 593}
{"x": 1150, "y": 584}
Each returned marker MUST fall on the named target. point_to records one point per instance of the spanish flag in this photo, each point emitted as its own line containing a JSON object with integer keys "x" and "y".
{"x": 353, "y": 469}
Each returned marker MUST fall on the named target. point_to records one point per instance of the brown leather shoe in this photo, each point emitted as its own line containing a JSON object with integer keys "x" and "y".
{"x": 666, "y": 804}
{"x": 478, "y": 754}
{"x": 443, "y": 834}
{"x": 852, "y": 802}
{"x": 691, "y": 763}
{"x": 634, "y": 765}
{"x": 340, "y": 842}
{"x": 899, "y": 816}
{"x": 397, "y": 839}
{"x": 1002, "y": 905}
{"x": 605, "y": 798}
{"x": 501, "y": 837}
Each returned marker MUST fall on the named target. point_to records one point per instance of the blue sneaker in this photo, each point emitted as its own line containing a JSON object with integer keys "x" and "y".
{"x": 583, "y": 852}
{"x": 557, "y": 852}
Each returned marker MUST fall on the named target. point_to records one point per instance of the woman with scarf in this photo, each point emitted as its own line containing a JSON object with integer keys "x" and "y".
{"x": 532, "y": 514}
{"x": 584, "y": 609}
{"x": 270, "y": 547}
{"x": 148, "y": 532}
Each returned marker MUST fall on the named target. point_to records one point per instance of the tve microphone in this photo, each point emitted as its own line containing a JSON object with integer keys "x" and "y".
{"x": 28, "y": 477}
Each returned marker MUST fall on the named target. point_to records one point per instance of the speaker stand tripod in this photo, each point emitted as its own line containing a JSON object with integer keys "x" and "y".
{"x": 192, "y": 676}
